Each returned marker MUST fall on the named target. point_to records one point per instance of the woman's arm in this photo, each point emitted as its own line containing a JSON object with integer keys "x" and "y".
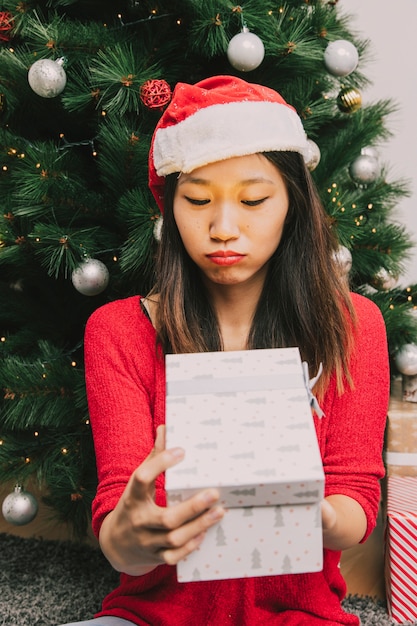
{"x": 344, "y": 522}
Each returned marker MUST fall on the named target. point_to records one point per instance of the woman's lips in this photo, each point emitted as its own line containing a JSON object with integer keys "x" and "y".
{"x": 225, "y": 257}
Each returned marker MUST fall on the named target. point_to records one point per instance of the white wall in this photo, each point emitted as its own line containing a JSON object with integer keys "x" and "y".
{"x": 391, "y": 29}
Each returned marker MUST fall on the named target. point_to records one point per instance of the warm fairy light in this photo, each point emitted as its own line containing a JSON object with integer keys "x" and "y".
{"x": 342, "y": 210}
{"x": 391, "y": 306}
{"x": 103, "y": 113}
{"x": 74, "y": 363}
{"x": 94, "y": 153}
{"x": 27, "y": 460}
{"x": 87, "y": 422}
{"x": 370, "y": 206}
{"x": 374, "y": 230}
{"x": 44, "y": 376}
{"x": 37, "y": 165}
{"x": 61, "y": 135}
{"x": 353, "y": 206}
{"x": 1, "y": 442}
{"x": 408, "y": 289}
{"x": 154, "y": 11}
{"x": 36, "y": 433}
{"x": 4, "y": 168}
{"x": 3, "y": 339}
{"x": 179, "y": 22}
{"x": 21, "y": 155}
{"x": 11, "y": 151}
{"x": 64, "y": 450}
{"x": 115, "y": 259}
{"x": 410, "y": 298}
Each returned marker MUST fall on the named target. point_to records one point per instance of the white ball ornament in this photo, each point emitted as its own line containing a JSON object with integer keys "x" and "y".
{"x": 343, "y": 258}
{"x": 341, "y": 58}
{"x": 312, "y": 155}
{"x": 47, "y": 78}
{"x": 91, "y": 277}
{"x": 365, "y": 169}
{"x": 157, "y": 228}
{"x": 406, "y": 359}
{"x": 245, "y": 51}
{"x": 20, "y": 507}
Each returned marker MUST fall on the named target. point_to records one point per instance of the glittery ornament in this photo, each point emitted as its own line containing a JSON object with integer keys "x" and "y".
{"x": 343, "y": 258}
{"x": 349, "y": 100}
{"x": 365, "y": 169}
{"x": 6, "y": 25}
{"x": 312, "y": 155}
{"x": 91, "y": 277}
{"x": 406, "y": 359}
{"x": 341, "y": 58}
{"x": 155, "y": 94}
{"x": 47, "y": 78}
{"x": 245, "y": 51}
{"x": 19, "y": 507}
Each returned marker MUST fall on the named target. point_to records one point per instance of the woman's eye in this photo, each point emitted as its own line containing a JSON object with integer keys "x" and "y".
{"x": 196, "y": 201}
{"x": 254, "y": 202}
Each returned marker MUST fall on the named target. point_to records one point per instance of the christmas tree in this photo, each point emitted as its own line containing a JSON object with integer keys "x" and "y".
{"x": 82, "y": 85}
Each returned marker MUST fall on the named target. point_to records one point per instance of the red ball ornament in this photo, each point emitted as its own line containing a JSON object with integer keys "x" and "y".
{"x": 6, "y": 25}
{"x": 155, "y": 94}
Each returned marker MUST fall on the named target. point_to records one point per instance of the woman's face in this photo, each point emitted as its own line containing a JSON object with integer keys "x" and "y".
{"x": 230, "y": 216}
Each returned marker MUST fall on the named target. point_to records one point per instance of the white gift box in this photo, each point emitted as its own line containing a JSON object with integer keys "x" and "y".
{"x": 245, "y": 421}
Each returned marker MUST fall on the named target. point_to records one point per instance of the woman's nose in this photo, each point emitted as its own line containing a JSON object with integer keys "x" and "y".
{"x": 224, "y": 224}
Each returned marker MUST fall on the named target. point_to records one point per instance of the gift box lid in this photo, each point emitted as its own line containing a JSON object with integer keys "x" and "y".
{"x": 245, "y": 421}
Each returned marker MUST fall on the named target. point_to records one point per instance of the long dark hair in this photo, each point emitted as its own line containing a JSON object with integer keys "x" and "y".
{"x": 304, "y": 302}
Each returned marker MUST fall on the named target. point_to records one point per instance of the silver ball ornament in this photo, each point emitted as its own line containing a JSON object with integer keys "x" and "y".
{"x": 406, "y": 359}
{"x": 20, "y": 507}
{"x": 341, "y": 58}
{"x": 91, "y": 277}
{"x": 384, "y": 280}
{"x": 157, "y": 228}
{"x": 312, "y": 155}
{"x": 370, "y": 151}
{"x": 245, "y": 51}
{"x": 365, "y": 169}
{"x": 47, "y": 78}
{"x": 343, "y": 259}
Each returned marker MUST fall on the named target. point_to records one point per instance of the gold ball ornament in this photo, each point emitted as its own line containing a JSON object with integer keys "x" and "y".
{"x": 349, "y": 100}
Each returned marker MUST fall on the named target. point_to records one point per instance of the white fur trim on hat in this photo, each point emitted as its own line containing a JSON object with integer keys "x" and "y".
{"x": 222, "y": 131}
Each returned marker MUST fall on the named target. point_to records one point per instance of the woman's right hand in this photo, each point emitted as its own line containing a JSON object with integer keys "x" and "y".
{"x": 138, "y": 535}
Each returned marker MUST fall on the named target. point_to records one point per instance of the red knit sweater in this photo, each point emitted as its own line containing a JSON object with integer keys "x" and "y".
{"x": 126, "y": 395}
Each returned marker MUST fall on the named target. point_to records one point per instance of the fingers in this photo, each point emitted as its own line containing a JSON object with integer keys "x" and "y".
{"x": 157, "y": 462}
{"x": 176, "y": 544}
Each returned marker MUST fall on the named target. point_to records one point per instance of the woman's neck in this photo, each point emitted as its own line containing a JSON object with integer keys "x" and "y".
{"x": 235, "y": 307}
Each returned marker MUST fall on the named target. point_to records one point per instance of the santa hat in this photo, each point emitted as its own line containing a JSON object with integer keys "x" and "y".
{"x": 216, "y": 119}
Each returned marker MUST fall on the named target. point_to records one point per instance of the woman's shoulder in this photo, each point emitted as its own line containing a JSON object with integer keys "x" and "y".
{"x": 124, "y": 313}
{"x": 365, "y": 308}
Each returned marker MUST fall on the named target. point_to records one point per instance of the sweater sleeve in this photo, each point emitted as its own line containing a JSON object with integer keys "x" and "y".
{"x": 120, "y": 369}
{"x": 352, "y": 433}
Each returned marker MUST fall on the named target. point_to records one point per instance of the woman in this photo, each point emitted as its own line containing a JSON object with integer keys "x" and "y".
{"x": 245, "y": 262}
